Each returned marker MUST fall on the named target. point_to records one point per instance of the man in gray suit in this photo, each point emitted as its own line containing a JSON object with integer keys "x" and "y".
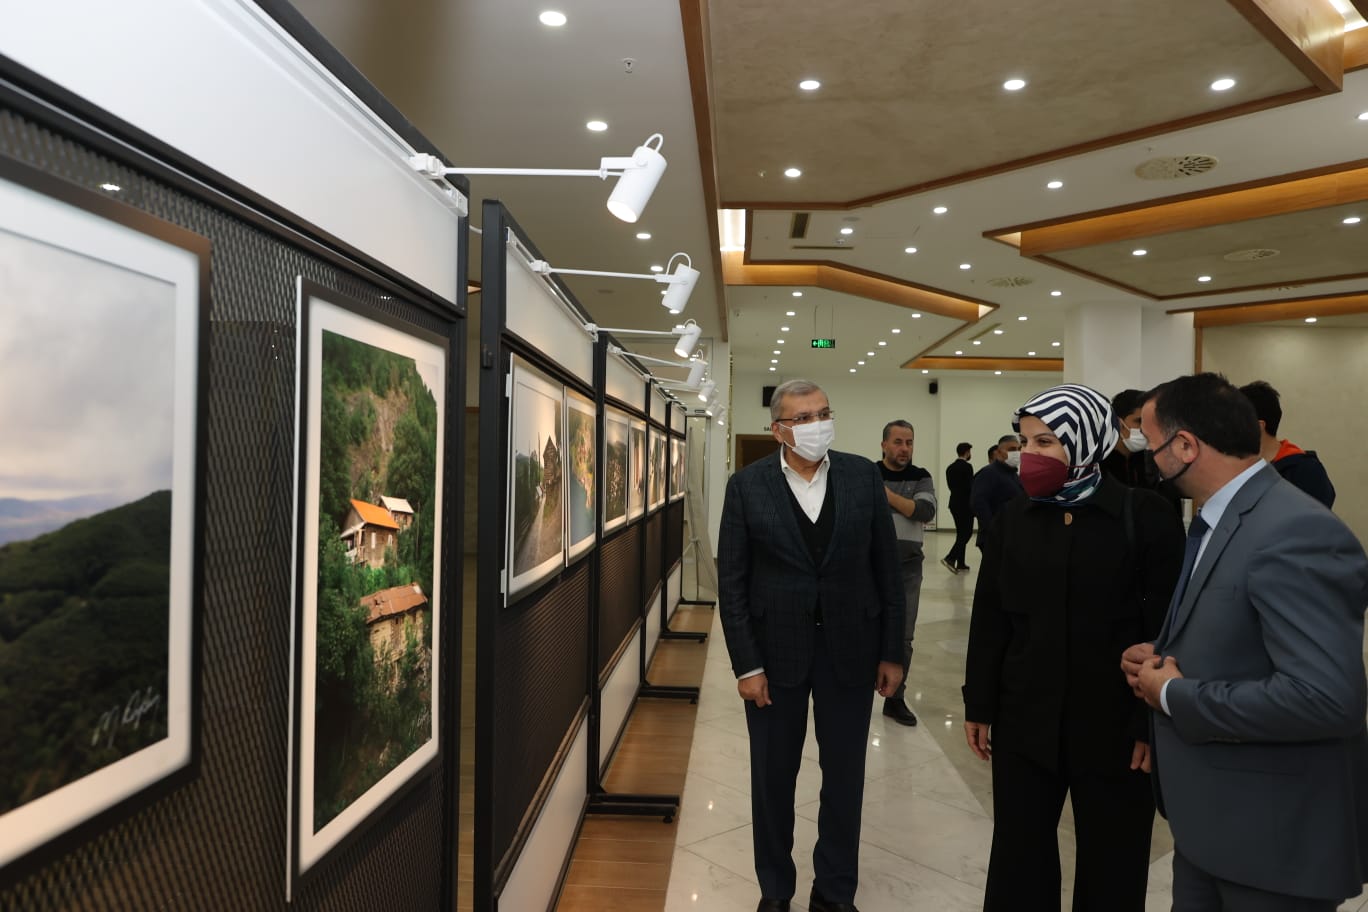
{"x": 811, "y": 599}
{"x": 1256, "y": 679}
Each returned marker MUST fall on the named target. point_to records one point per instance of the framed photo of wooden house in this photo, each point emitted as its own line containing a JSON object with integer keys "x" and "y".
{"x": 368, "y": 584}
{"x": 615, "y": 468}
{"x": 536, "y": 470}
{"x": 103, "y": 349}
{"x": 581, "y": 474}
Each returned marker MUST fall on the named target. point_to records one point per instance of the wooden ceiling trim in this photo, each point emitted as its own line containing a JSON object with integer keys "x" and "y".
{"x": 1219, "y": 208}
{"x": 694, "y": 16}
{"x": 1224, "y": 290}
{"x": 852, "y": 281}
{"x": 1309, "y": 33}
{"x": 934, "y": 362}
{"x": 1356, "y": 46}
{"x": 1273, "y": 311}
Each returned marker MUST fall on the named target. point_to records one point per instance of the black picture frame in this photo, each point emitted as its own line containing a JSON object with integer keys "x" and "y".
{"x": 131, "y": 291}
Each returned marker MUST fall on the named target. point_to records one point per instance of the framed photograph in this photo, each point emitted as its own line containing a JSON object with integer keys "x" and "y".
{"x": 368, "y": 584}
{"x": 103, "y": 343}
{"x": 615, "y": 462}
{"x": 656, "y": 469}
{"x": 581, "y": 449}
{"x": 636, "y": 478}
{"x": 536, "y": 541}
{"x": 676, "y": 468}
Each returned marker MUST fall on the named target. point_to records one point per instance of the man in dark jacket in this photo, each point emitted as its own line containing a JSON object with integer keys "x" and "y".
{"x": 1301, "y": 467}
{"x": 996, "y": 484}
{"x": 959, "y": 479}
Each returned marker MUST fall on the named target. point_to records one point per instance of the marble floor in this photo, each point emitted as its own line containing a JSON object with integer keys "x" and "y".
{"x": 927, "y": 805}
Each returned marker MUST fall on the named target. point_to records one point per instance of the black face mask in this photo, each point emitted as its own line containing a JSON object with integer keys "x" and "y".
{"x": 1176, "y": 475}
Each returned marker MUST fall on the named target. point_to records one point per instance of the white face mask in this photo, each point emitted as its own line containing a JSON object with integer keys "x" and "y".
{"x": 1014, "y": 459}
{"x": 1135, "y": 441}
{"x": 811, "y": 441}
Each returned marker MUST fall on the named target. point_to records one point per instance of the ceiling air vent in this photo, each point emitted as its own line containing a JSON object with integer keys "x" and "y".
{"x": 798, "y": 226}
{"x": 1174, "y": 167}
{"x": 1249, "y": 256}
{"x": 1010, "y": 281}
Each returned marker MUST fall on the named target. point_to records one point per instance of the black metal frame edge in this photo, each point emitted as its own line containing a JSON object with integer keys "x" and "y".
{"x": 131, "y": 217}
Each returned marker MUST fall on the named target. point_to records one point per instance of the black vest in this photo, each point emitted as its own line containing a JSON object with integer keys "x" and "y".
{"x": 816, "y": 535}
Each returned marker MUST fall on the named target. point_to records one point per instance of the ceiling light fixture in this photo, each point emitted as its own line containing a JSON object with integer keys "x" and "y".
{"x": 1014, "y": 85}
{"x": 1352, "y": 220}
{"x": 797, "y": 294}
{"x": 637, "y": 175}
{"x": 597, "y": 126}
{"x": 895, "y": 330}
{"x": 1310, "y": 319}
{"x": 959, "y": 351}
{"x": 940, "y": 210}
{"x": 1363, "y": 116}
{"x": 869, "y": 354}
{"x": 790, "y": 313}
{"x": 657, "y": 268}
{"x": 978, "y": 341}
{"x": 966, "y": 265}
{"x": 1222, "y": 85}
{"x": 1054, "y": 185}
{"x": 778, "y": 341}
{"x": 1032, "y": 354}
{"x": 1055, "y": 294}
{"x": 676, "y": 297}
{"x": 882, "y": 343}
{"x": 553, "y": 18}
{"x": 1204, "y": 278}
{"x": 997, "y": 373}
{"x": 847, "y": 230}
{"x": 688, "y": 332}
{"x": 1022, "y": 319}
{"x": 916, "y": 316}
{"x": 909, "y": 250}
{"x": 792, "y": 172}
{"x": 774, "y": 368}
{"x": 861, "y": 363}
{"x": 809, "y": 85}
{"x": 774, "y": 360}
{"x": 778, "y": 351}
{"x": 925, "y": 371}
{"x": 783, "y": 329}
{"x": 1054, "y": 344}
{"x": 997, "y": 332}
{"x": 643, "y": 235}
{"x": 706, "y": 390}
{"x": 852, "y": 370}
{"x": 1139, "y": 251}
{"x": 112, "y": 188}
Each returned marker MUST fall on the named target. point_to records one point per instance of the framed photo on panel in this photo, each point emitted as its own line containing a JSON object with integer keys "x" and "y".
{"x": 536, "y": 469}
{"x": 103, "y": 343}
{"x": 656, "y": 469}
{"x": 368, "y": 586}
{"x": 676, "y": 468}
{"x": 615, "y": 463}
{"x": 581, "y": 487}
{"x": 636, "y": 476}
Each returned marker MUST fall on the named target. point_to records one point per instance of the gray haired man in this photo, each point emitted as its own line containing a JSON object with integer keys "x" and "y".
{"x": 912, "y": 499}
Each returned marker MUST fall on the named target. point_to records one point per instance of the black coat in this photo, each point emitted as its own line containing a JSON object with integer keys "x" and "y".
{"x": 1062, "y": 591}
{"x": 769, "y": 588}
{"x": 959, "y": 481}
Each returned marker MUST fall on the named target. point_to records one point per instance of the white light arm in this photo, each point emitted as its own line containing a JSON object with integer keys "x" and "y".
{"x": 688, "y": 334}
{"x": 681, "y": 281}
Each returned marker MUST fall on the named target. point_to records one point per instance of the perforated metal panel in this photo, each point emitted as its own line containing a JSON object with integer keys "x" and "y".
{"x": 651, "y": 571}
{"x": 674, "y": 533}
{"x": 620, "y": 594}
{"x": 218, "y": 843}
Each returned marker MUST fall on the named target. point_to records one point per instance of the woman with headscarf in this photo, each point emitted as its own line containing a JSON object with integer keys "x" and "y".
{"x": 1078, "y": 567}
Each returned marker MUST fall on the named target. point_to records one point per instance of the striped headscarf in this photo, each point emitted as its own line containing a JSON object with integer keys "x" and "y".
{"x": 1085, "y": 424}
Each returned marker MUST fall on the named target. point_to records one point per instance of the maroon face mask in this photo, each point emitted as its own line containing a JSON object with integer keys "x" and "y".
{"x": 1042, "y": 476}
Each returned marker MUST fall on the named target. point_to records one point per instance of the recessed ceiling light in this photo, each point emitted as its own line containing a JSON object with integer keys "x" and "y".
{"x": 657, "y": 268}
{"x": 861, "y": 363}
{"x": 790, "y": 313}
{"x": 895, "y": 330}
{"x": 1352, "y": 220}
{"x": 1054, "y": 185}
{"x": 809, "y": 85}
{"x": 783, "y": 329}
{"x": 1032, "y": 354}
{"x": 852, "y": 370}
{"x": 597, "y": 126}
{"x": 1221, "y": 85}
{"x": 1363, "y": 116}
{"x": 959, "y": 352}
{"x": 797, "y": 294}
{"x": 882, "y": 343}
{"x": 1023, "y": 319}
{"x": 978, "y": 341}
{"x": 997, "y": 332}
{"x": 778, "y": 351}
{"x": 847, "y": 230}
{"x": 965, "y": 265}
{"x": 778, "y": 341}
{"x": 774, "y": 368}
{"x": 940, "y": 210}
{"x": 916, "y": 316}
{"x": 552, "y": 18}
{"x": 925, "y": 371}
{"x": 1055, "y": 294}
{"x": 1139, "y": 251}
{"x": 112, "y": 188}
{"x": 1310, "y": 319}
{"x": 909, "y": 250}
{"x": 869, "y": 354}
{"x": 792, "y": 172}
{"x": 643, "y": 235}
{"x": 997, "y": 373}
{"x": 1055, "y": 344}
{"x": 774, "y": 360}
{"x": 1014, "y": 85}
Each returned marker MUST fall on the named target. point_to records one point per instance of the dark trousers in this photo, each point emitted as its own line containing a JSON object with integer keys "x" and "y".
{"x": 910, "y": 559}
{"x": 841, "y": 717}
{"x": 1194, "y": 890}
{"x": 964, "y": 529}
{"x": 1113, "y": 816}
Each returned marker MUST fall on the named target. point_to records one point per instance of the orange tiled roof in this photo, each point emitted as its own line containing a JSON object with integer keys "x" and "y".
{"x": 372, "y": 515}
{"x": 389, "y": 602}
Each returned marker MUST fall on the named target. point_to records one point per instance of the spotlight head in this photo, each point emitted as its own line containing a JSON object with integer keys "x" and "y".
{"x": 688, "y": 338}
{"x": 638, "y": 181}
{"x": 682, "y": 282}
{"x": 706, "y": 390}
{"x": 696, "y": 373}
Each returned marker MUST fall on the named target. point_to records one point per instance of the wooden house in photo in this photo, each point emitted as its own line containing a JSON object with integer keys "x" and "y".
{"x": 369, "y": 530}
{"x": 399, "y": 511}
{"x": 390, "y": 612}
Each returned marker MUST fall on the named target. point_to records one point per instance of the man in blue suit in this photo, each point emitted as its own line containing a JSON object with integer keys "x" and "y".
{"x": 811, "y": 597}
{"x": 1257, "y": 678}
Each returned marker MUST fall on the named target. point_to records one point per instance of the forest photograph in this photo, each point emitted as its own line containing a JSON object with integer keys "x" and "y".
{"x": 581, "y": 490}
{"x": 636, "y": 475}
{"x": 614, "y": 469}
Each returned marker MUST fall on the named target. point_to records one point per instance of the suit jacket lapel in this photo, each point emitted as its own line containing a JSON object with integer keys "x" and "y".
{"x": 781, "y": 496}
{"x": 1244, "y": 501}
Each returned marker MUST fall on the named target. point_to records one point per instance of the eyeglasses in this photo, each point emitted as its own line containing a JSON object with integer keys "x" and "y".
{"x": 806, "y": 418}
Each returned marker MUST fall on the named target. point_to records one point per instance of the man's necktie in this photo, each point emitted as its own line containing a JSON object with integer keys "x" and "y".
{"x": 1198, "y": 529}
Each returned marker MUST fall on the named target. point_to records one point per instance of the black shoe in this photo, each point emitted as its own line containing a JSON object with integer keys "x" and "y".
{"x": 948, "y": 565}
{"x": 963, "y": 568}
{"x": 897, "y": 711}
{"x": 773, "y": 905}
{"x": 817, "y": 903}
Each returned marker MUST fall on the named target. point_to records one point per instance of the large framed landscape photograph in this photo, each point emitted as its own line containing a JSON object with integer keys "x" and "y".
{"x": 536, "y": 468}
{"x": 103, "y": 342}
{"x": 636, "y": 474}
{"x": 615, "y": 461}
{"x": 368, "y": 585}
{"x": 581, "y": 451}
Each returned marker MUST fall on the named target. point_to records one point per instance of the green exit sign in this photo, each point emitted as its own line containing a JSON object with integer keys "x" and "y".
{"x": 823, "y": 343}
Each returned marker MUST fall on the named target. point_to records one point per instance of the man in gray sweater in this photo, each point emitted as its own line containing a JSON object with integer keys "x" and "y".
{"x": 912, "y": 500}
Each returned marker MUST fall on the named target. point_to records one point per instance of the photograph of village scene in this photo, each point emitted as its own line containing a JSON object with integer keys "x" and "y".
{"x": 580, "y": 453}
{"x": 377, "y": 532}
{"x": 536, "y": 542}
{"x": 636, "y": 478}
{"x": 87, "y": 377}
{"x": 657, "y": 469}
{"x": 614, "y": 469}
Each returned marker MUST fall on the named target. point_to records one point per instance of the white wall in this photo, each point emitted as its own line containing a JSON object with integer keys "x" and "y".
{"x": 1167, "y": 347}
{"x": 1321, "y": 374}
